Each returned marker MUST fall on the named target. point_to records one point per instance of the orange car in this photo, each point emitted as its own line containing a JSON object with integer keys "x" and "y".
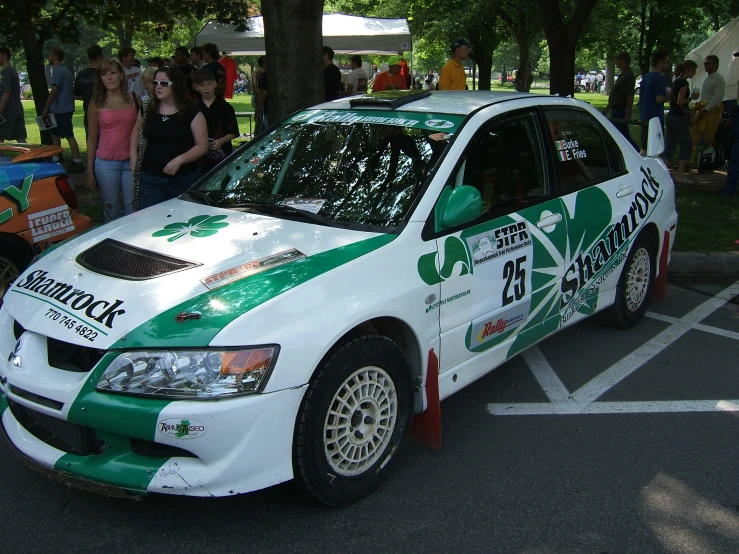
{"x": 38, "y": 207}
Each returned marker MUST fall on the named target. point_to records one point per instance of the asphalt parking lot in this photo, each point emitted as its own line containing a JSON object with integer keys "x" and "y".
{"x": 595, "y": 441}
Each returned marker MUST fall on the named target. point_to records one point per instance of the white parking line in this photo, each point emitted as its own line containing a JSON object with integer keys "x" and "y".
{"x": 551, "y": 384}
{"x": 583, "y": 399}
{"x": 648, "y": 407}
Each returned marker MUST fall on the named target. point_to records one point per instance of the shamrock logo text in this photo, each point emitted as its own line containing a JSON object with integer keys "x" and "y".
{"x": 199, "y": 226}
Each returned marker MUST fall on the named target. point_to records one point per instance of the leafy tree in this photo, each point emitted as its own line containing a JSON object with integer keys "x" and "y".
{"x": 522, "y": 19}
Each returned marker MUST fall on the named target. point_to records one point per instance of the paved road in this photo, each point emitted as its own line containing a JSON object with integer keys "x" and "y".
{"x": 597, "y": 441}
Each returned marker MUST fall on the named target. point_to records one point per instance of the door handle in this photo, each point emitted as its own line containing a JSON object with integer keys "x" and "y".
{"x": 626, "y": 191}
{"x": 549, "y": 220}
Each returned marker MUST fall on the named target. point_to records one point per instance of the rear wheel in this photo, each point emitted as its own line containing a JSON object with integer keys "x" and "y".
{"x": 15, "y": 257}
{"x": 354, "y": 419}
{"x": 635, "y": 284}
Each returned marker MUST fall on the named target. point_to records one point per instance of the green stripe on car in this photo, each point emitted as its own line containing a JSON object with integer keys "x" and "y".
{"x": 221, "y": 306}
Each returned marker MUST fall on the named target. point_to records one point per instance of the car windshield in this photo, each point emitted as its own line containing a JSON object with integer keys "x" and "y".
{"x": 335, "y": 167}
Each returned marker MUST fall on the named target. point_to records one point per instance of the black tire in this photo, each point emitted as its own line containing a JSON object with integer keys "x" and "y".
{"x": 15, "y": 256}
{"x": 632, "y": 291}
{"x": 333, "y": 479}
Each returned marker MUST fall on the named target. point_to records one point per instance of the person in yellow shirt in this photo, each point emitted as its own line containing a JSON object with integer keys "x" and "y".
{"x": 452, "y": 75}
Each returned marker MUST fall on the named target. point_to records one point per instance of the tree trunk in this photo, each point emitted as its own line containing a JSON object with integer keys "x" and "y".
{"x": 562, "y": 67}
{"x": 562, "y": 39}
{"x": 610, "y": 70}
{"x": 523, "y": 75}
{"x": 485, "y": 65}
{"x": 293, "y": 41}
{"x": 34, "y": 62}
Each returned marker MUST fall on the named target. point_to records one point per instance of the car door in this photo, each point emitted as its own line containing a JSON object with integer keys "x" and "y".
{"x": 598, "y": 194}
{"x": 498, "y": 271}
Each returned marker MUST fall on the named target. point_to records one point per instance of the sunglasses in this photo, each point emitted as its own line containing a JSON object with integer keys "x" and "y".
{"x": 164, "y": 84}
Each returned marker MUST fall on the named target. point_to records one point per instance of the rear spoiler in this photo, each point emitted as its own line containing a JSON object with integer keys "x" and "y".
{"x": 655, "y": 138}
{"x": 30, "y": 152}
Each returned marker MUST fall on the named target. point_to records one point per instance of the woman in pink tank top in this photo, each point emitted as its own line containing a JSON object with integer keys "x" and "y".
{"x": 111, "y": 115}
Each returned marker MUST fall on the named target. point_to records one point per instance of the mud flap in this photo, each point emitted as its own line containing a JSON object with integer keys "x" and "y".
{"x": 426, "y": 427}
{"x": 660, "y": 283}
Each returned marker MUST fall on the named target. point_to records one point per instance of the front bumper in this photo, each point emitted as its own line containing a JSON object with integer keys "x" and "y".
{"x": 247, "y": 446}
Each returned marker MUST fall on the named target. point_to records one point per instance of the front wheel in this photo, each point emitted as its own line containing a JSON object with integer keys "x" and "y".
{"x": 354, "y": 419}
{"x": 635, "y": 284}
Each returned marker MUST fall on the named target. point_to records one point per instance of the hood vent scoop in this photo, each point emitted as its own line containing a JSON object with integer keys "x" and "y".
{"x": 123, "y": 261}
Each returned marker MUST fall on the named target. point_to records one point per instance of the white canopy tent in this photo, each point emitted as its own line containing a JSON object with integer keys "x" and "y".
{"x": 346, "y": 34}
{"x": 723, "y": 44}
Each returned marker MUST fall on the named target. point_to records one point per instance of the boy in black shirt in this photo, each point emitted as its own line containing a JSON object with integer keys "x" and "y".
{"x": 83, "y": 83}
{"x": 220, "y": 116}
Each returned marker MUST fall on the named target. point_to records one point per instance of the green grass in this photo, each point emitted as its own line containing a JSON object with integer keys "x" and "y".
{"x": 707, "y": 222}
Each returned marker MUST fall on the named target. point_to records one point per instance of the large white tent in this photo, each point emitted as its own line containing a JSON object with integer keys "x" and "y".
{"x": 724, "y": 44}
{"x": 346, "y": 34}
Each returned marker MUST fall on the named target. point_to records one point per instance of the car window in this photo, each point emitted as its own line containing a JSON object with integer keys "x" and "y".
{"x": 348, "y": 168}
{"x": 506, "y": 164}
{"x": 585, "y": 152}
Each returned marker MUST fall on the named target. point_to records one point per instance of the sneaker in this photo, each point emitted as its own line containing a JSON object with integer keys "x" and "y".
{"x": 75, "y": 167}
{"x": 682, "y": 181}
{"x": 727, "y": 191}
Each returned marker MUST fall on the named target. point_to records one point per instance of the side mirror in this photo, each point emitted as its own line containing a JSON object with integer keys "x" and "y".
{"x": 459, "y": 206}
{"x": 655, "y": 139}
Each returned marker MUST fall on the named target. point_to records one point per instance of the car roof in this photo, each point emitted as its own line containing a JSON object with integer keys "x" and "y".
{"x": 456, "y": 102}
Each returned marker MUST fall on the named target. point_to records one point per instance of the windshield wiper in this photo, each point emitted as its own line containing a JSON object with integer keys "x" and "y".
{"x": 197, "y": 195}
{"x": 274, "y": 209}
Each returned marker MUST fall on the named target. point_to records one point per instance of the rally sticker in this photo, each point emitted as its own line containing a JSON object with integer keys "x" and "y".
{"x": 181, "y": 428}
{"x": 312, "y": 205}
{"x": 440, "y": 136}
{"x": 498, "y": 242}
{"x": 439, "y": 124}
{"x": 245, "y": 270}
{"x": 50, "y": 223}
{"x": 489, "y": 328}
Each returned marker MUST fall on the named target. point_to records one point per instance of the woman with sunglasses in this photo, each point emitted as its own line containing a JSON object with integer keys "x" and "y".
{"x": 111, "y": 118}
{"x": 176, "y": 138}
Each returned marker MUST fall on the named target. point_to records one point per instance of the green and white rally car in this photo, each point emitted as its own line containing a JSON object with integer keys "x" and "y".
{"x": 288, "y": 316}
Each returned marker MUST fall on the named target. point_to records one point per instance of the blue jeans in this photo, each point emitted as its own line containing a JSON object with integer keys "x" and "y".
{"x": 114, "y": 178}
{"x": 678, "y": 132}
{"x": 620, "y": 113}
{"x": 154, "y": 189}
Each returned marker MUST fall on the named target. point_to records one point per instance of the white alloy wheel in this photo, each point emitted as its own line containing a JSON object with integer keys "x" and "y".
{"x": 637, "y": 281}
{"x": 360, "y": 421}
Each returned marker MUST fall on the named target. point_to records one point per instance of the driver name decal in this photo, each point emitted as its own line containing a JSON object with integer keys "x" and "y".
{"x": 569, "y": 149}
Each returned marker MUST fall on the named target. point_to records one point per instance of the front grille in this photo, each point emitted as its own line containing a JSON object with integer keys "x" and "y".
{"x": 124, "y": 261}
{"x": 157, "y": 450}
{"x": 18, "y": 329}
{"x": 62, "y": 435}
{"x": 71, "y": 357}
{"x": 38, "y": 399}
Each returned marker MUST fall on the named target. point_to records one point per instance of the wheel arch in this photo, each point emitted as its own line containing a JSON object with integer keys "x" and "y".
{"x": 652, "y": 232}
{"x": 14, "y": 239}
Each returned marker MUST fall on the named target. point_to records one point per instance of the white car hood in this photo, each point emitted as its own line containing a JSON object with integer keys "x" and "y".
{"x": 110, "y": 307}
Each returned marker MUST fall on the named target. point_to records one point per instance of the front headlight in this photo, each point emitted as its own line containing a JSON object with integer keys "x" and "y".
{"x": 189, "y": 374}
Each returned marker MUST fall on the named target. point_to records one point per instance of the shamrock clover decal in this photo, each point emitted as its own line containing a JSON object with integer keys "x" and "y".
{"x": 198, "y": 226}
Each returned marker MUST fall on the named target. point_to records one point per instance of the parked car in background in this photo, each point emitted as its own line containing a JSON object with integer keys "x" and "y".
{"x": 38, "y": 207}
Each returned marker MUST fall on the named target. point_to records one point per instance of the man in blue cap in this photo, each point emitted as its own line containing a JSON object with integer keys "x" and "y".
{"x": 452, "y": 76}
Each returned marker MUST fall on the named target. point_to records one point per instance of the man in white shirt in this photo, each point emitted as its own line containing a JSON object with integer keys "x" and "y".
{"x": 712, "y": 92}
{"x": 133, "y": 73}
{"x": 356, "y": 81}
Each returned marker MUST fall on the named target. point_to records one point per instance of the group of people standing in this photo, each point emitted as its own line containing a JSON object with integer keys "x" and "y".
{"x": 683, "y": 127}
{"x": 150, "y": 143}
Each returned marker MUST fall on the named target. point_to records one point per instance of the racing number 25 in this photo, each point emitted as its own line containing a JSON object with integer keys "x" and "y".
{"x": 515, "y": 274}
